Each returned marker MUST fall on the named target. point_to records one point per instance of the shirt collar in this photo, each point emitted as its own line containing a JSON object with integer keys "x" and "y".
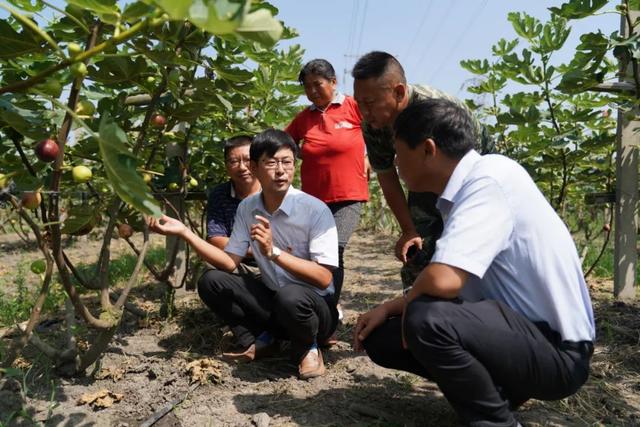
{"x": 459, "y": 174}
{"x": 287, "y": 203}
{"x": 338, "y": 98}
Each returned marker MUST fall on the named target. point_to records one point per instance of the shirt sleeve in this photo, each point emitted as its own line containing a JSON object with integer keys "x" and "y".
{"x": 323, "y": 239}
{"x": 239, "y": 240}
{"x": 293, "y": 129}
{"x": 216, "y": 216}
{"x": 477, "y": 229}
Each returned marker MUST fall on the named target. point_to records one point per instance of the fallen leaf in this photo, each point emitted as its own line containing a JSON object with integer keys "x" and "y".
{"x": 83, "y": 345}
{"x": 100, "y": 399}
{"x": 109, "y": 372}
{"x": 21, "y": 363}
{"x": 203, "y": 370}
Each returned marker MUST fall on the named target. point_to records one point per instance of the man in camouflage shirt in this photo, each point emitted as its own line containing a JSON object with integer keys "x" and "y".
{"x": 382, "y": 92}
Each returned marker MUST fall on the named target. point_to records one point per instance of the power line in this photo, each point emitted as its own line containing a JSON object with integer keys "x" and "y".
{"x": 352, "y": 24}
{"x": 437, "y": 32}
{"x": 472, "y": 20}
{"x": 351, "y": 37}
{"x": 364, "y": 19}
{"x": 417, "y": 33}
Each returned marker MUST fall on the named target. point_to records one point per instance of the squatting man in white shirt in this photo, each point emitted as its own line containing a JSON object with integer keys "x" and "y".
{"x": 502, "y": 313}
{"x": 294, "y": 241}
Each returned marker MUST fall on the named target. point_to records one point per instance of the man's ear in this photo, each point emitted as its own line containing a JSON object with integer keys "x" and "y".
{"x": 399, "y": 91}
{"x": 430, "y": 147}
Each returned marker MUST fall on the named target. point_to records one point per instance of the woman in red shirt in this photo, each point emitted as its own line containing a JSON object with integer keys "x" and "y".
{"x": 333, "y": 152}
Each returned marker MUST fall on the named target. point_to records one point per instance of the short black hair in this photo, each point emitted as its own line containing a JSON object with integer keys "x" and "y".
{"x": 320, "y": 67}
{"x": 236, "y": 141}
{"x": 269, "y": 142}
{"x": 375, "y": 65}
{"x": 447, "y": 123}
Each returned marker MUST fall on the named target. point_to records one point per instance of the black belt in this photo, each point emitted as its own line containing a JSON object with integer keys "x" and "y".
{"x": 584, "y": 348}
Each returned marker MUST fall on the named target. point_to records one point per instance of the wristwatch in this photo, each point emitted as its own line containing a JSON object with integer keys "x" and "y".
{"x": 275, "y": 253}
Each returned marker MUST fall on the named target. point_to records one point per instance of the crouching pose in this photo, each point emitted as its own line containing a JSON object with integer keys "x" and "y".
{"x": 294, "y": 241}
{"x": 502, "y": 313}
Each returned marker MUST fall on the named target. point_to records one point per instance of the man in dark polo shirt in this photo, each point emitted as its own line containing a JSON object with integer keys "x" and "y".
{"x": 224, "y": 199}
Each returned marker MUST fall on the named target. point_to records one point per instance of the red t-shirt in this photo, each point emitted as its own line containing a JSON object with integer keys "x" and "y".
{"x": 332, "y": 152}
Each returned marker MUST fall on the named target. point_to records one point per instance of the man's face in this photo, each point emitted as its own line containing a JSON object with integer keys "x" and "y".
{"x": 275, "y": 173}
{"x": 378, "y": 100}
{"x": 411, "y": 165}
{"x": 238, "y": 167}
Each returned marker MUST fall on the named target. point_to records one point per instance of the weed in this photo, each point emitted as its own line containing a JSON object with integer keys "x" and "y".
{"x": 16, "y": 307}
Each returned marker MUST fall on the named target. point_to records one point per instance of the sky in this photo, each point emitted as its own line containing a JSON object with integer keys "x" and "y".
{"x": 429, "y": 37}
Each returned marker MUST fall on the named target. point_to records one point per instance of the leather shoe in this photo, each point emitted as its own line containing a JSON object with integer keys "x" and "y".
{"x": 331, "y": 341}
{"x": 311, "y": 365}
{"x": 255, "y": 351}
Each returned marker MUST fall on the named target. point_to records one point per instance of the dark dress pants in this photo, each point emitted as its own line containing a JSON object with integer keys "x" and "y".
{"x": 249, "y": 307}
{"x": 486, "y": 358}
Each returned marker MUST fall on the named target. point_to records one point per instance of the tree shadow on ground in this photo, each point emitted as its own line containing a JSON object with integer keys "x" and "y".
{"x": 280, "y": 365}
{"x": 370, "y": 401}
{"x": 197, "y": 330}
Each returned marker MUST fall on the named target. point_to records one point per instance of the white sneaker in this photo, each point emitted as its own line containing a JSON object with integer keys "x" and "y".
{"x": 340, "y": 314}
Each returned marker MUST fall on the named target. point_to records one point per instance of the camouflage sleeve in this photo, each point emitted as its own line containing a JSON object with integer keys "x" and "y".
{"x": 379, "y": 148}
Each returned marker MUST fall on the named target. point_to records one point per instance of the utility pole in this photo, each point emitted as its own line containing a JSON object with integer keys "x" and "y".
{"x": 346, "y": 71}
{"x": 626, "y": 195}
{"x": 626, "y": 218}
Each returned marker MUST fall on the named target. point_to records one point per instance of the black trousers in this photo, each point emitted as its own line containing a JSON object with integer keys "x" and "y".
{"x": 486, "y": 358}
{"x": 294, "y": 313}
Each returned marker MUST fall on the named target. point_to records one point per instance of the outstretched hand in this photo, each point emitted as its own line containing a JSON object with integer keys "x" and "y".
{"x": 166, "y": 225}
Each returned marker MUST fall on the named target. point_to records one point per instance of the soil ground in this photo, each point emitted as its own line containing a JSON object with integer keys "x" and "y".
{"x": 146, "y": 366}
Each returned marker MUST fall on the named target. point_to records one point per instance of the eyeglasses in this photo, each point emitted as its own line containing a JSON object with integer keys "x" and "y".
{"x": 272, "y": 164}
{"x": 235, "y": 162}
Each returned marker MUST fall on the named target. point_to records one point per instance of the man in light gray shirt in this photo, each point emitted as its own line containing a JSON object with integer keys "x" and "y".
{"x": 294, "y": 241}
{"x": 502, "y": 313}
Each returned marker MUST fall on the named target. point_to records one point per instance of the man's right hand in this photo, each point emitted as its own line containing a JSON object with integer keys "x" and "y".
{"x": 166, "y": 226}
{"x": 367, "y": 323}
{"x": 405, "y": 241}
